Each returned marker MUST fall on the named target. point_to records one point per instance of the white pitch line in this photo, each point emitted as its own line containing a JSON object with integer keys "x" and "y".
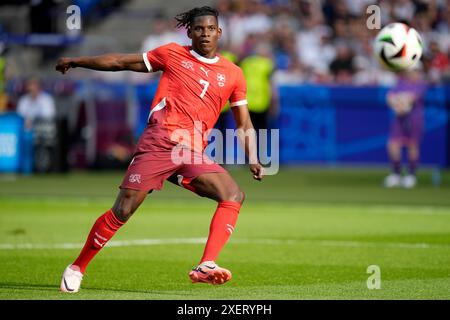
{"x": 117, "y": 243}
{"x": 175, "y": 241}
{"x": 343, "y": 243}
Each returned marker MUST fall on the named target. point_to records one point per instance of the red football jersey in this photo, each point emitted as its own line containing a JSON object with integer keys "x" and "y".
{"x": 192, "y": 90}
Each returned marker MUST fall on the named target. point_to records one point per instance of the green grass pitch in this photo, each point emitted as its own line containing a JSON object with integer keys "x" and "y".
{"x": 302, "y": 234}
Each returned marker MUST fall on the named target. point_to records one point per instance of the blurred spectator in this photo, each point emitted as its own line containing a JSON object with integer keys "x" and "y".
{"x": 36, "y": 104}
{"x": 403, "y": 10}
{"x": 327, "y": 40}
{"x": 258, "y": 69}
{"x": 385, "y": 11}
{"x": 285, "y": 46}
{"x": 340, "y": 31}
{"x": 423, "y": 25}
{"x": 443, "y": 19}
{"x": 437, "y": 62}
{"x": 342, "y": 66}
{"x": 358, "y": 7}
{"x": 312, "y": 46}
{"x": 368, "y": 73}
{"x": 162, "y": 32}
{"x": 225, "y": 9}
{"x": 38, "y": 110}
{"x": 250, "y": 18}
{"x": 292, "y": 75}
{"x": 335, "y": 10}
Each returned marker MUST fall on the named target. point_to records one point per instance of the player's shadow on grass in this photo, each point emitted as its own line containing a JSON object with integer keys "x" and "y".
{"x": 55, "y": 288}
{"x": 9, "y": 285}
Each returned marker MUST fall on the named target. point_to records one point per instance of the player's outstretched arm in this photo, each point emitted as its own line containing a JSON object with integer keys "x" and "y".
{"x": 247, "y": 137}
{"x": 106, "y": 62}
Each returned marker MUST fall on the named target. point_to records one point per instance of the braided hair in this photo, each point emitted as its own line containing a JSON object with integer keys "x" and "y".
{"x": 185, "y": 19}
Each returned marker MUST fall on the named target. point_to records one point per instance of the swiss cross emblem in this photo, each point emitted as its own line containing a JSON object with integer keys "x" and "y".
{"x": 221, "y": 79}
{"x": 187, "y": 64}
{"x": 135, "y": 178}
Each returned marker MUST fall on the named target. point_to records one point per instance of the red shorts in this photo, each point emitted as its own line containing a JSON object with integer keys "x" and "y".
{"x": 148, "y": 169}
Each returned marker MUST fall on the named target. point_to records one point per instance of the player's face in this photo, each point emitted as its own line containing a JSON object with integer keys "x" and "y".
{"x": 205, "y": 33}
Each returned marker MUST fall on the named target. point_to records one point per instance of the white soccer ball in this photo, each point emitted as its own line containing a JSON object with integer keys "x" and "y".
{"x": 398, "y": 47}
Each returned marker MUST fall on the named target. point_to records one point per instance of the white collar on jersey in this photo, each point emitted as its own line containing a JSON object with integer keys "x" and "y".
{"x": 203, "y": 59}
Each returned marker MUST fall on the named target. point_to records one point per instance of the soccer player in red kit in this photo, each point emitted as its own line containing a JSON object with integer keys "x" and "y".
{"x": 196, "y": 83}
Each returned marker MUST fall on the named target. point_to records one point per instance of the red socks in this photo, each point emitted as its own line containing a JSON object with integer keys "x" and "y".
{"x": 103, "y": 230}
{"x": 222, "y": 226}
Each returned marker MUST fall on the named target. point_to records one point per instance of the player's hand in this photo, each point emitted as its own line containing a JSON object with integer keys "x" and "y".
{"x": 64, "y": 64}
{"x": 257, "y": 170}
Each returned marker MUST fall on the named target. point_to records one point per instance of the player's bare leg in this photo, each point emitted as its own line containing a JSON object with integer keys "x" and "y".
{"x": 394, "y": 153}
{"x": 222, "y": 188}
{"x": 127, "y": 202}
{"x": 103, "y": 230}
{"x": 219, "y": 187}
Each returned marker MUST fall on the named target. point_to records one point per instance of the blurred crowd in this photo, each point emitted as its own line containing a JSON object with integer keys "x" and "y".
{"x": 322, "y": 41}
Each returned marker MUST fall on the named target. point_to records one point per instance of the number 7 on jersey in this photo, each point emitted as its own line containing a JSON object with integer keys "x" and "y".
{"x": 205, "y": 85}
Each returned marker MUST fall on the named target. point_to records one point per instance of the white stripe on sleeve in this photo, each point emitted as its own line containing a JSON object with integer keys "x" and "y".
{"x": 147, "y": 63}
{"x": 238, "y": 103}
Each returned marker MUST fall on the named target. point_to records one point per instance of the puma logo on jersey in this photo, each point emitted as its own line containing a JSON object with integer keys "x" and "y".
{"x": 205, "y": 71}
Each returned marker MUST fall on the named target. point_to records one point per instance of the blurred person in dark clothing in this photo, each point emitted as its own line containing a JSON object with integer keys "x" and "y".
{"x": 342, "y": 66}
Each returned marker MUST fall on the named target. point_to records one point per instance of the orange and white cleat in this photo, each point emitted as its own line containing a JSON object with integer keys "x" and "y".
{"x": 71, "y": 279}
{"x": 210, "y": 272}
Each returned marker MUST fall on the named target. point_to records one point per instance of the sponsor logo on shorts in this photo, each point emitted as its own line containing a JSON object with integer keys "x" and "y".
{"x": 135, "y": 178}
